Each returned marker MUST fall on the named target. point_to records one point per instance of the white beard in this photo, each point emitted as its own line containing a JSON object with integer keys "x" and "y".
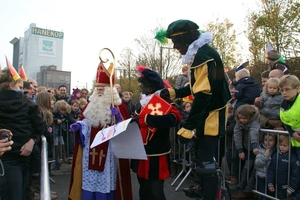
{"x": 98, "y": 110}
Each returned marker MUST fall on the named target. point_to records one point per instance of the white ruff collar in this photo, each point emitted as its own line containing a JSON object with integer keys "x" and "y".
{"x": 204, "y": 38}
{"x": 145, "y": 99}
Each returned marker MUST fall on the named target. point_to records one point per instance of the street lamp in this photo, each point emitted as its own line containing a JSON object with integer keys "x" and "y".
{"x": 161, "y": 59}
{"x": 83, "y": 84}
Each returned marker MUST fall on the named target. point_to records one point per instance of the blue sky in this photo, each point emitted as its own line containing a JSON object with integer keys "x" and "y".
{"x": 91, "y": 25}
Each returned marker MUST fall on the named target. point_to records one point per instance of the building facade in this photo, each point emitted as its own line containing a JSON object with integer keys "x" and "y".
{"x": 40, "y": 52}
{"x": 49, "y": 76}
{"x": 41, "y": 47}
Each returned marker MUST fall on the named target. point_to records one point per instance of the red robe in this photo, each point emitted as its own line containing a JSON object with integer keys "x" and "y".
{"x": 123, "y": 188}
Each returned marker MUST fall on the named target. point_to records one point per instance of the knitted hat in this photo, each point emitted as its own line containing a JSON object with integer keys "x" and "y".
{"x": 180, "y": 27}
{"x": 75, "y": 91}
{"x": 151, "y": 77}
{"x": 273, "y": 55}
{"x": 103, "y": 74}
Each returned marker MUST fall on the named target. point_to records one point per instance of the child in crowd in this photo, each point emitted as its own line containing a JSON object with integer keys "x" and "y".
{"x": 41, "y": 89}
{"x": 44, "y": 101}
{"x": 186, "y": 107}
{"x": 269, "y": 101}
{"x": 129, "y": 103}
{"x": 246, "y": 89}
{"x": 74, "y": 116}
{"x": 84, "y": 93}
{"x": 82, "y": 103}
{"x": 246, "y": 132}
{"x": 61, "y": 113}
{"x": 279, "y": 180}
{"x": 262, "y": 160}
{"x": 290, "y": 107}
{"x": 54, "y": 92}
{"x": 75, "y": 95}
{"x": 264, "y": 77}
{"x": 182, "y": 79}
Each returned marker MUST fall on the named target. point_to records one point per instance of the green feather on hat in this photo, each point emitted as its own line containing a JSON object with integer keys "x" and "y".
{"x": 161, "y": 36}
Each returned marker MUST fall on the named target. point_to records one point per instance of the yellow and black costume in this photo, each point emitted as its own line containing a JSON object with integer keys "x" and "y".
{"x": 208, "y": 85}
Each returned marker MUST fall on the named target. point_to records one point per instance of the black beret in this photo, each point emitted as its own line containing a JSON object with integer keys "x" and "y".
{"x": 180, "y": 27}
{"x": 153, "y": 77}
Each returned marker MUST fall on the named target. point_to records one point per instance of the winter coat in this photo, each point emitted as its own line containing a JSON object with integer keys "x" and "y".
{"x": 269, "y": 106}
{"x": 244, "y": 132}
{"x": 181, "y": 81}
{"x": 22, "y": 117}
{"x": 73, "y": 116}
{"x": 280, "y": 176}
{"x": 60, "y": 129}
{"x": 262, "y": 162}
{"x": 246, "y": 90}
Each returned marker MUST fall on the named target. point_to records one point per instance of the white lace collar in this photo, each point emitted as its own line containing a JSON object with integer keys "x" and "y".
{"x": 204, "y": 38}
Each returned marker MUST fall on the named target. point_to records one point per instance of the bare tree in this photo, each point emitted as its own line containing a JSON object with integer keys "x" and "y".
{"x": 224, "y": 41}
{"x": 163, "y": 59}
{"x": 148, "y": 52}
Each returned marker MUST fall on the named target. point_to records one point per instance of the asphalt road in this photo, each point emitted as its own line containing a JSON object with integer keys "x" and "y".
{"x": 62, "y": 179}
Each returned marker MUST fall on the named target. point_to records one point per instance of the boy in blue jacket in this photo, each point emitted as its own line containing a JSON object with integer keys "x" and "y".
{"x": 278, "y": 178}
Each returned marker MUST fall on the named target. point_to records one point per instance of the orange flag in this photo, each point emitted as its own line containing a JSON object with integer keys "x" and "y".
{"x": 23, "y": 74}
{"x": 12, "y": 70}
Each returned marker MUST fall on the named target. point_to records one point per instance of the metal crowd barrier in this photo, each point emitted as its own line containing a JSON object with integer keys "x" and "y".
{"x": 66, "y": 140}
{"x": 178, "y": 152}
{"x": 271, "y": 131}
{"x": 179, "y": 156}
{"x": 45, "y": 184}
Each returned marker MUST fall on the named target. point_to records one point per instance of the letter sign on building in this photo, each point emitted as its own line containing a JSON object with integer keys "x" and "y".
{"x": 46, "y": 32}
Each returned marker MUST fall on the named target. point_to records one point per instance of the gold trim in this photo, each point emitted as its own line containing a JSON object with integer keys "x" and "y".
{"x": 186, "y": 133}
{"x": 202, "y": 63}
{"x": 147, "y": 137}
{"x": 151, "y": 155}
{"x": 145, "y": 119}
{"x": 179, "y": 33}
{"x": 172, "y": 93}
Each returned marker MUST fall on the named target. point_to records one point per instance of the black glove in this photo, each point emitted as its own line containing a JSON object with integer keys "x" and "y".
{"x": 135, "y": 119}
{"x": 165, "y": 94}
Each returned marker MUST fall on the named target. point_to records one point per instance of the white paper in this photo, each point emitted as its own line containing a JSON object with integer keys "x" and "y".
{"x": 129, "y": 144}
{"x": 110, "y": 132}
{"x": 125, "y": 139}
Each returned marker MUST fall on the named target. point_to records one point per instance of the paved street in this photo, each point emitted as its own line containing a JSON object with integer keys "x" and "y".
{"x": 62, "y": 178}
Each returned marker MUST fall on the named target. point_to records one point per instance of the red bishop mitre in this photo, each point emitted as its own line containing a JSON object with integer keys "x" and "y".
{"x": 103, "y": 75}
